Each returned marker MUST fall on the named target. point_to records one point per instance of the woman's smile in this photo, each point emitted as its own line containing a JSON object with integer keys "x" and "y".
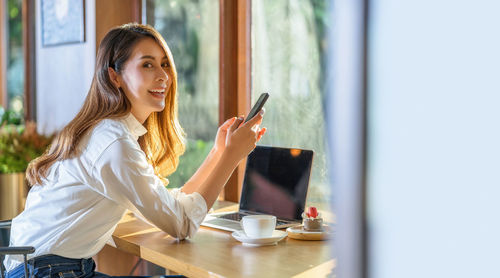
{"x": 158, "y": 92}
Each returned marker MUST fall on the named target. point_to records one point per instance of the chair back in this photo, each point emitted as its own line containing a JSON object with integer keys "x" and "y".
{"x": 5, "y": 232}
{"x": 13, "y": 250}
{"x": 4, "y": 241}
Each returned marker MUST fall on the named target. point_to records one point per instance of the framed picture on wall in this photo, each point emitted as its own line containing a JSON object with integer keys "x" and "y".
{"x": 63, "y": 22}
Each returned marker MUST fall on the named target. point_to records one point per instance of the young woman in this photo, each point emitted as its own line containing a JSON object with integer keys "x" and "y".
{"x": 111, "y": 158}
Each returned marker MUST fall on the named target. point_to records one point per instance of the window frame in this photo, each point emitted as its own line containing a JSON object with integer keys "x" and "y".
{"x": 234, "y": 75}
{"x": 125, "y": 11}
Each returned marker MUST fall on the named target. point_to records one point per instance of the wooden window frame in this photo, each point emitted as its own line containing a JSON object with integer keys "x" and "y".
{"x": 234, "y": 75}
{"x": 128, "y": 11}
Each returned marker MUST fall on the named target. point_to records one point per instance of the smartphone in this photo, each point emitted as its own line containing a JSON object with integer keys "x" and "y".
{"x": 257, "y": 106}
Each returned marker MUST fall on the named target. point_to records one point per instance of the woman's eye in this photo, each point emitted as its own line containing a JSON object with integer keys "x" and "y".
{"x": 148, "y": 65}
{"x": 164, "y": 65}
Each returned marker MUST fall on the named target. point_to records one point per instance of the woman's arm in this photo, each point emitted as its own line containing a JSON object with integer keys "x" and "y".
{"x": 202, "y": 173}
{"x": 211, "y": 161}
{"x": 239, "y": 142}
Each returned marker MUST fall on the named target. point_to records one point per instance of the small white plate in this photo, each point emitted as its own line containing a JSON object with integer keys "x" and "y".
{"x": 298, "y": 232}
{"x": 242, "y": 237}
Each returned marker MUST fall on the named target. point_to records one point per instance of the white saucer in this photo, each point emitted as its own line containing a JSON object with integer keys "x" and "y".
{"x": 298, "y": 232}
{"x": 242, "y": 237}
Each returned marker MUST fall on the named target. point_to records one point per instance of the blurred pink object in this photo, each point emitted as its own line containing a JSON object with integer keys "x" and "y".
{"x": 312, "y": 212}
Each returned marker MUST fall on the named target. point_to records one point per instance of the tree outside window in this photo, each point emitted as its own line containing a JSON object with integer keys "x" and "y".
{"x": 15, "y": 57}
{"x": 288, "y": 56}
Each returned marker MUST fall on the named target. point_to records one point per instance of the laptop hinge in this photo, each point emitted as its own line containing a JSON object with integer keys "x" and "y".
{"x": 242, "y": 211}
{"x": 248, "y": 212}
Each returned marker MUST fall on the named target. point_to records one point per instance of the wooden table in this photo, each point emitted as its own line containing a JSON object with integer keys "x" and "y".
{"x": 215, "y": 253}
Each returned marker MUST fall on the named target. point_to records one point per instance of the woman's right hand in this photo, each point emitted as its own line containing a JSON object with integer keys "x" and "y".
{"x": 241, "y": 139}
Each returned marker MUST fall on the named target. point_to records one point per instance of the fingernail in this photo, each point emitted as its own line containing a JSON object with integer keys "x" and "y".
{"x": 262, "y": 112}
{"x": 240, "y": 118}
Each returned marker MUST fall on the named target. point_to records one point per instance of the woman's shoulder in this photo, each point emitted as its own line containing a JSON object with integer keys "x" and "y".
{"x": 113, "y": 128}
{"x": 105, "y": 133}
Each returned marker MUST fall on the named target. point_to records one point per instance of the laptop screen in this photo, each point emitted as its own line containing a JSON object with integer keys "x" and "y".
{"x": 276, "y": 181}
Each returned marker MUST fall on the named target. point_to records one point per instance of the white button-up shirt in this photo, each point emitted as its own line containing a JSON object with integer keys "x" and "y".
{"x": 74, "y": 213}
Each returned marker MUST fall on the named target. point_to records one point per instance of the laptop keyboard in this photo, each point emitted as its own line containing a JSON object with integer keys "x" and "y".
{"x": 237, "y": 217}
{"x": 233, "y": 216}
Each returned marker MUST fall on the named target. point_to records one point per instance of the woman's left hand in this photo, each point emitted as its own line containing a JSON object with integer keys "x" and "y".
{"x": 220, "y": 138}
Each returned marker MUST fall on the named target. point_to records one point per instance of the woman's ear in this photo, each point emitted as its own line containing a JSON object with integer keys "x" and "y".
{"x": 113, "y": 76}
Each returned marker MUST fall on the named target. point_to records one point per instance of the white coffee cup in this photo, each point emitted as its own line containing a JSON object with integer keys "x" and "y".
{"x": 258, "y": 226}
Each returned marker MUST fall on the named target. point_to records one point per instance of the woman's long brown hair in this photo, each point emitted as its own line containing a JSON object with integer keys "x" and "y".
{"x": 164, "y": 141}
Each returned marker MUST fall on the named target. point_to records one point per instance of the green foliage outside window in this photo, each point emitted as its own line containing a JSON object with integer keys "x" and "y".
{"x": 191, "y": 29}
{"x": 289, "y": 46}
{"x": 196, "y": 152}
{"x": 15, "y": 58}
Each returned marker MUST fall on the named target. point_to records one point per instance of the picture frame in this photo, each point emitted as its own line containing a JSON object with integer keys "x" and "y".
{"x": 63, "y": 22}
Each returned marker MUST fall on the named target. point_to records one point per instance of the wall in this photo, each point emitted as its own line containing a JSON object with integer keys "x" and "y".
{"x": 63, "y": 74}
{"x": 433, "y": 141}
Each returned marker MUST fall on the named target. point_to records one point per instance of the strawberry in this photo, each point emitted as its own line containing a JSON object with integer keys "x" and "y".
{"x": 312, "y": 212}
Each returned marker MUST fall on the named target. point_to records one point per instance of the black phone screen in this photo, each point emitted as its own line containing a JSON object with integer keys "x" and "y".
{"x": 258, "y": 106}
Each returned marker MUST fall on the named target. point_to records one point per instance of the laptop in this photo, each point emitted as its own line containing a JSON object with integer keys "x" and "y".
{"x": 275, "y": 183}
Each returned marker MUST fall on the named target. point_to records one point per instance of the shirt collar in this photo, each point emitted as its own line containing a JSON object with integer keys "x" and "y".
{"x": 134, "y": 126}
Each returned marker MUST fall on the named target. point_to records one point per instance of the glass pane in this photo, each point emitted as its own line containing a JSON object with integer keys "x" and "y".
{"x": 288, "y": 54}
{"x": 15, "y": 58}
{"x": 191, "y": 29}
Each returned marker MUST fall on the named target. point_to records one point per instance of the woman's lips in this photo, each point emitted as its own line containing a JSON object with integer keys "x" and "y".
{"x": 159, "y": 93}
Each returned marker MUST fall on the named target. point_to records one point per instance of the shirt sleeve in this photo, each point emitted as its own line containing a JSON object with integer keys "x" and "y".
{"x": 123, "y": 175}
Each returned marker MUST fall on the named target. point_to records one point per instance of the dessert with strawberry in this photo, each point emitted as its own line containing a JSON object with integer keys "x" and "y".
{"x": 312, "y": 220}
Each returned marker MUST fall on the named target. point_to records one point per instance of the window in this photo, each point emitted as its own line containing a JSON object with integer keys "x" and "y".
{"x": 14, "y": 56}
{"x": 288, "y": 48}
{"x": 288, "y": 54}
{"x": 191, "y": 29}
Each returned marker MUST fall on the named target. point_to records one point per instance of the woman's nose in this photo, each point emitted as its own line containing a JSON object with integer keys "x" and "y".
{"x": 162, "y": 76}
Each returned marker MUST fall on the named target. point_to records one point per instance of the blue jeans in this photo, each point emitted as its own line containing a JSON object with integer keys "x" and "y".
{"x": 56, "y": 266}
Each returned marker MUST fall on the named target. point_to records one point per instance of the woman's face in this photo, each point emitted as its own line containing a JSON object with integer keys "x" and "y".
{"x": 146, "y": 78}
